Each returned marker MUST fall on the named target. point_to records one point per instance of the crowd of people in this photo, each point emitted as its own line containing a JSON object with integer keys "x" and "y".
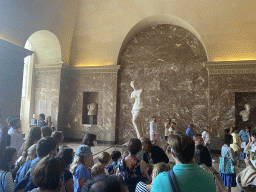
{"x": 40, "y": 162}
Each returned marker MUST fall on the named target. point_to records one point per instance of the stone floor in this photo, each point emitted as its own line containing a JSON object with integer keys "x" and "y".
{"x": 100, "y": 148}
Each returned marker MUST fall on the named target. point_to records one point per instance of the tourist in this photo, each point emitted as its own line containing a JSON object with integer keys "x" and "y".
{"x": 190, "y": 130}
{"x": 34, "y": 136}
{"x": 167, "y": 125}
{"x": 90, "y": 140}
{"x": 244, "y": 134}
{"x": 47, "y": 175}
{"x": 204, "y": 159}
{"x": 116, "y": 155}
{"x": 46, "y": 131}
{"x": 198, "y": 139}
{"x": 153, "y": 130}
{"x": 188, "y": 175}
{"x": 206, "y": 136}
{"x": 66, "y": 154}
{"x": 6, "y": 178}
{"x": 105, "y": 183}
{"x": 131, "y": 169}
{"x": 58, "y": 135}
{"x": 98, "y": 169}
{"x": 42, "y": 120}
{"x": 16, "y": 133}
{"x": 158, "y": 168}
{"x": 236, "y": 144}
{"x": 45, "y": 146}
{"x": 82, "y": 163}
{"x": 229, "y": 180}
{"x": 104, "y": 158}
{"x": 31, "y": 153}
{"x": 251, "y": 146}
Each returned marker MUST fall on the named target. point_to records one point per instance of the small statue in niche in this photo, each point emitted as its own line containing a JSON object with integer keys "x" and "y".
{"x": 92, "y": 109}
{"x": 138, "y": 110}
{"x": 245, "y": 113}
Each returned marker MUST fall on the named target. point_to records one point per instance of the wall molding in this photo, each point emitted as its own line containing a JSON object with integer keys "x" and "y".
{"x": 98, "y": 69}
{"x": 231, "y": 67}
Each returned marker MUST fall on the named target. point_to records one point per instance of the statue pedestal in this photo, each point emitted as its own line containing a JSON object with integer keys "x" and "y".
{"x": 93, "y": 119}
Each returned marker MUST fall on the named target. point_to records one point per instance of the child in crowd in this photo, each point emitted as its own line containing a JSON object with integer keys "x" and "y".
{"x": 82, "y": 163}
{"x": 116, "y": 155}
{"x": 97, "y": 169}
{"x": 104, "y": 158}
{"x": 229, "y": 180}
{"x": 236, "y": 143}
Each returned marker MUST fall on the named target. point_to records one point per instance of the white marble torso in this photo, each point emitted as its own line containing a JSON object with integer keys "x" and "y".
{"x": 245, "y": 115}
{"x": 139, "y": 104}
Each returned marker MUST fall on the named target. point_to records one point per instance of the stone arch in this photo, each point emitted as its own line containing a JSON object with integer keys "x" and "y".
{"x": 157, "y": 20}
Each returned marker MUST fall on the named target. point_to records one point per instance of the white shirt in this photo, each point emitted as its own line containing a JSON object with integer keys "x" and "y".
{"x": 167, "y": 128}
{"x": 206, "y": 137}
{"x": 16, "y": 138}
{"x": 153, "y": 130}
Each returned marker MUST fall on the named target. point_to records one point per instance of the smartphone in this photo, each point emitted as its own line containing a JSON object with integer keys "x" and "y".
{"x": 19, "y": 160}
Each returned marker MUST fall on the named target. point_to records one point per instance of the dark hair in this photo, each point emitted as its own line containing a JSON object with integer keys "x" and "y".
{"x": 115, "y": 155}
{"x": 66, "y": 153}
{"x": 7, "y": 159}
{"x": 153, "y": 117}
{"x": 42, "y": 116}
{"x": 104, "y": 183}
{"x": 233, "y": 129}
{"x": 183, "y": 147}
{"x": 191, "y": 125}
{"x": 254, "y": 134}
{"x": 13, "y": 122}
{"x": 203, "y": 156}
{"x": 46, "y": 131}
{"x": 33, "y": 135}
{"x": 45, "y": 145}
{"x": 88, "y": 139}
{"x": 47, "y": 173}
{"x": 227, "y": 130}
{"x": 57, "y": 135}
{"x": 227, "y": 139}
{"x": 134, "y": 146}
{"x": 146, "y": 141}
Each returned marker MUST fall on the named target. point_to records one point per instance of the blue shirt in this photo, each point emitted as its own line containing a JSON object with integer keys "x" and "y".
{"x": 190, "y": 177}
{"x": 80, "y": 172}
{"x": 243, "y": 135}
{"x": 189, "y": 132}
{"x": 42, "y": 124}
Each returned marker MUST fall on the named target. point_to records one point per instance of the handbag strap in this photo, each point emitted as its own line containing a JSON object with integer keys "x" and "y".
{"x": 132, "y": 166}
{"x": 173, "y": 181}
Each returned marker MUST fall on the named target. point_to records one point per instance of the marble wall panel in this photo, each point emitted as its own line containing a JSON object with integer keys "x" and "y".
{"x": 74, "y": 84}
{"x": 166, "y": 61}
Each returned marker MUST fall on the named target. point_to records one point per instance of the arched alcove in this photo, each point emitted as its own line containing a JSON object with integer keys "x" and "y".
{"x": 167, "y": 62}
{"x": 41, "y": 77}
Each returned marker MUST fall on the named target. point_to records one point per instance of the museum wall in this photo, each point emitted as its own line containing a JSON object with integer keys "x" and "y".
{"x": 167, "y": 62}
{"x": 74, "y": 83}
{"x": 47, "y": 91}
{"x": 225, "y": 80}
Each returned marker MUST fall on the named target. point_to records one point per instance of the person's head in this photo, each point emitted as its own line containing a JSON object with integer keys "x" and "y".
{"x": 146, "y": 144}
{"x": 173, "y": 125}
{"x": 41, "y": 117}
{"x": 191, "y": 126}
{"x": 182, "y": 147}
{"x": 154, "y": 118}
{"x": 228, "y": 139}
{"x": 207, "y": 128}
{"x": 198, "y": 139}
{"x": 97, "y": 169}
{"x": 104, "y": 158}
{"x": 48, "y": 120}
{"x": 233, "y": 130}
{"x": 58, "y": 135}
{"x": 8, "y": 120}
{"x": 203, "y": 156}
{"x": 227, "y": 130}
{"x": 247, "y": 106}
{"x": 115, "y": 155}
{"x": 66, "y": 154}
{"x": 105, "y": 183}
{"x": 31, "y": 153}
{"x": 169, "y": 120}
{"x": 247, "y": 128}
{"x": 9, "y": 158}
{"x": 47, "y": 174}
{"x": 159, "y": 168}
{"x": 83, "y": 156}
{"x": 46, "y": 146}
{"x": 253, "y": 137}
{"x": 134, "y": 146}
{"x": 89, "y": 139}
{"x": 15, "y": 123}
{"x": 46, "y": 131}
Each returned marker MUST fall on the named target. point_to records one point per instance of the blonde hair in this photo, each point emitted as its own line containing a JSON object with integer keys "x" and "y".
{"x": 97, "y": 169}
{"x": 159, "y": 168}
{"x": 104, "y": 158}
{"x": 31, "y": 153}
{"x": 77, "y": 160}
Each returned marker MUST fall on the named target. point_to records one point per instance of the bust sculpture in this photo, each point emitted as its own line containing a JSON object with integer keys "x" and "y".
{"x": 138, "y": 110}
{"x": 92, "y": 109}
{"x": 245, "y": 113}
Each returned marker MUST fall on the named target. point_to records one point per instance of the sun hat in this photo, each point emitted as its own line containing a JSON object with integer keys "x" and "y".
{"x": 83, "y": 150}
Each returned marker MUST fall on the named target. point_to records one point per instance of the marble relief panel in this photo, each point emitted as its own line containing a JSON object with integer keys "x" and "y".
{"x": 166, "y": 61}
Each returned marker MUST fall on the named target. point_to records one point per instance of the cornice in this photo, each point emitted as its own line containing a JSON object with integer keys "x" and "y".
{"x": 98, "y": 69}
{"x": 231, "y": 67}
{"x": 47, "y": 66}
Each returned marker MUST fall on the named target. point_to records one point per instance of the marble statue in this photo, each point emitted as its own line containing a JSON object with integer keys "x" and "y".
{"x": 138, "y": 110}
{"x": 92, "y": 109}
{"x": 245, "y": 113}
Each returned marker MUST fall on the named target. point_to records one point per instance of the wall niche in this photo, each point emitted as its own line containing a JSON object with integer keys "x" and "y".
{"x": 90, "y": 108}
